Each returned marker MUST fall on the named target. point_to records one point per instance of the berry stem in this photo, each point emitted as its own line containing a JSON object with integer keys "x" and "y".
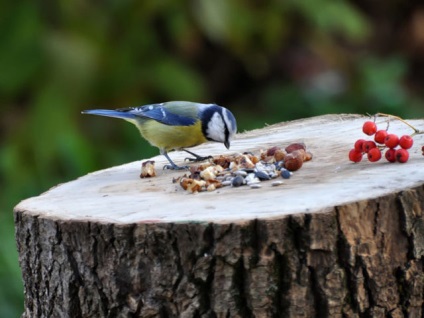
{"x": 416, "y": 131}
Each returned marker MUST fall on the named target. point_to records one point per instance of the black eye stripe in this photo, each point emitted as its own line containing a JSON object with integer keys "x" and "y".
{"x": 227, "y": 132}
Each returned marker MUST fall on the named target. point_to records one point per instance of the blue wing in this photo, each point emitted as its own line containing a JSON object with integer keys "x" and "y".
{"x": 160, "y": 113}
{"x": 170, "y": 113}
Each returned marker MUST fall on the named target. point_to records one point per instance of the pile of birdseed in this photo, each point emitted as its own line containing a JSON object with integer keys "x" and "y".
{"x": 237, "y": 170}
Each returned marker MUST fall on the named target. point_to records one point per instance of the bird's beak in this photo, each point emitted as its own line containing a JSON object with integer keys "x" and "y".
{"x": 227, "y": 144}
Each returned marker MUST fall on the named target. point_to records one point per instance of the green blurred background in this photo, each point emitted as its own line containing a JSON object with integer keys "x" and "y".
{"x": 266, "y": 62}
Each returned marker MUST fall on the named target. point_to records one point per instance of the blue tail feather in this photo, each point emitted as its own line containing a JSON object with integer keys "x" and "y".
{"x": 109, "y": 113}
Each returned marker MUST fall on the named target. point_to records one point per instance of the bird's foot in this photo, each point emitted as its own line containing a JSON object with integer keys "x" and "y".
{"x": 175, "y": 167}
{"x": 172, "y": 165}
{"x": 198, "y": 158}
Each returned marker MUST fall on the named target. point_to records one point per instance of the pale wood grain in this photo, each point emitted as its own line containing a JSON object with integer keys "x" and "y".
{"x": 118, "y": 195}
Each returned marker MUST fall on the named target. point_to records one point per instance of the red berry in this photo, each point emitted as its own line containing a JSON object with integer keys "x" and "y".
{"x": 406, "y": 142}
{"x": 359, "y": 143}
{"x": 355, "y": 155}
{"x": 374, "y": 154}
{"x": 391, "y": 140}
{"x": 390, "y": 155}
{"x": 402, "y": 155}
{"x": 367, "y": 145}
{"x": 369, "y": 128}
{"x": 380, "y": 136}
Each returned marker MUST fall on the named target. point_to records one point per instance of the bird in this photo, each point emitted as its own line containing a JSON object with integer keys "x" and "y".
{"x": 177, "y": 125}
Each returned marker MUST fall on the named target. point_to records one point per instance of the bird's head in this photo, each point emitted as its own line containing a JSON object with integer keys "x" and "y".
{"x": 218, "y": 124}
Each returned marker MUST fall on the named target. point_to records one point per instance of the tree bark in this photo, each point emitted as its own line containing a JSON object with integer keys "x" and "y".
{"x": 323, "y": 245}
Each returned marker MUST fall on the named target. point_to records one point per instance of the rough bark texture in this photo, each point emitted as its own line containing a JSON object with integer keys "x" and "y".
{"x": 363, "y": 259}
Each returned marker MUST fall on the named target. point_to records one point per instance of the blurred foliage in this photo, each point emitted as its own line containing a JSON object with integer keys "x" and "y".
{"x": 267, "y": 61}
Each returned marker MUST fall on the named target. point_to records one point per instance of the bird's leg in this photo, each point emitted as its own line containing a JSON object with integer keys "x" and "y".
{"x": 196, "y": 158}
{"x": 172, "y": 165}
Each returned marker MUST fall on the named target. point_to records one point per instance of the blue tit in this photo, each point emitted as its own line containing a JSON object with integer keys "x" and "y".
{"x": 178, "y": 125}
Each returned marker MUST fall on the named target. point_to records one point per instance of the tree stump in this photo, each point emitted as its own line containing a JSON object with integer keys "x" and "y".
{"x": 338, "y": 239}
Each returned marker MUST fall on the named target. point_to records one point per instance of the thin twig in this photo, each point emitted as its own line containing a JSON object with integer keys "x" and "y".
{"x": 416, "y": 131}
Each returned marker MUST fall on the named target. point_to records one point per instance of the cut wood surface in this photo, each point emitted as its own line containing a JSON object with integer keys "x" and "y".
{"x": 118, "y": 195}
{"x": 337, "y": 239}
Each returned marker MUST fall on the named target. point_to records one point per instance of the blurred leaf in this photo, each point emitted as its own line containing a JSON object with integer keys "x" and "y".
{"x": 19, "y": 46}
{"x": 72, "y": 62}
{"x": 382, "y": 80}
{"x": 279, "y": 97}
{"x": 174, "y": 80}
{"x": 338, "y": 17}
{"x": 215, "y": 18}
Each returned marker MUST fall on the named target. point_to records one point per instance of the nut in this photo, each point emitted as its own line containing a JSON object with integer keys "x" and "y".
{"x": 295, "y": 146}
{"x": 192, "y": 185}
{"x": 271, "y": 151}
{"x": 211, "y": 172}
{"x": 223, "y": 161}
{"x": 254, "y": 159}
{"x": 299, "y": 153}
{"x": 245, "y": 162}
{"x": 279, "y": 154}
{"x": 293, "y": 162}
{"x": 148, "y": 169}
{"x": 216, "y": 183}
{"x": 308, "y": 156}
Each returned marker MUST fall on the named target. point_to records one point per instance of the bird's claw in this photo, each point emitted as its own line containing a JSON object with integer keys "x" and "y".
{"x": 198, "y": 159}
{"x": 175, "y": 167}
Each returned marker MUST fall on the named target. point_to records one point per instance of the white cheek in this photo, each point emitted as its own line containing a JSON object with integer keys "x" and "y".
{"x": 216, "y": 128}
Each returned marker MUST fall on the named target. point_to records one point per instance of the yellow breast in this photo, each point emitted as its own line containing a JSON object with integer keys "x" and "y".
{"x": 172, "y": 137}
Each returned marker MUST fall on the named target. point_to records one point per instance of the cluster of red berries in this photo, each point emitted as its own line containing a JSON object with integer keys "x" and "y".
{"x": 382, "y": 140}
